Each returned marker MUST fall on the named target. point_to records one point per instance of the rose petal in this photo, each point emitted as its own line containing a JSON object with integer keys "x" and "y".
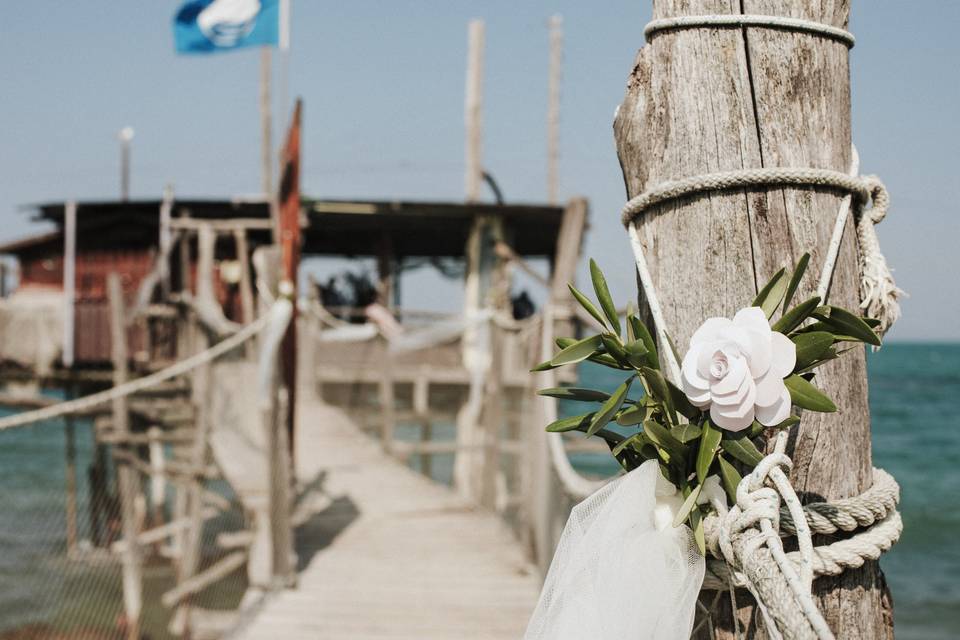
{"x": 769, "y": 388}
{"x": 752, "y": 318}
{"x": 712, "y": 329}
{"x": 690, "y": 372}
{"x": 729, "y": 383}
{"x": 699, "y": 397}
{"x": 729, "y": 419}
{"x": 776, "y": 413}
{"x": 784, "y": 354}
{"x": 760, "y": 352}
{"x": 736, "y": 397}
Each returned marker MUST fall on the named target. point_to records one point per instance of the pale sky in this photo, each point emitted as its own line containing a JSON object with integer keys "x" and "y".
{"x": 383, "y": 88}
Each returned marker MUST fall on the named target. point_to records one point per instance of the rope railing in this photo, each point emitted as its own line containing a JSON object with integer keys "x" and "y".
{"x": 85, "y": 403}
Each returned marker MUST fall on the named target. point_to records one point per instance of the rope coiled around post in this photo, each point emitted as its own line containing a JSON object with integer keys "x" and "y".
{"x": 879, "y": 293}
{"x": 750, "y": 20}
{"x": 747, "y": 552}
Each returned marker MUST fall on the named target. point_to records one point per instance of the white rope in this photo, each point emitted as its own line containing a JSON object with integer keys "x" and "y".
{"x": 748, "y": 20}
{"x": 135, "y": 386}
{"x": 879, "y": 293}
{"x": 748, "y": 535}
{"x": 833, "y": 249}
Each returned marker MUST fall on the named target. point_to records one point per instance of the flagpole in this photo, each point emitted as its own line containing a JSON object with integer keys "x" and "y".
{"x": 284, "y": 46}
{"x": 266, "y": 145}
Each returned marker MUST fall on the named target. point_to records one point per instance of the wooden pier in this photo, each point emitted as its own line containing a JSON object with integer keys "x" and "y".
{"x": 388, "y": 553}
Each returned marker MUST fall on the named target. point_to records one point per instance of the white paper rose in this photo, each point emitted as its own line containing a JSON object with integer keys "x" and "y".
{"x": 736, "y": 368}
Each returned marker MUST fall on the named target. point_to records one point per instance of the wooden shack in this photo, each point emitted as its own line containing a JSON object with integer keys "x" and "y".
{"x": 121, "y": 236}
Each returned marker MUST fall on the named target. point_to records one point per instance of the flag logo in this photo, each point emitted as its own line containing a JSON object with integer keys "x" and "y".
{"x": 203, "y": 26}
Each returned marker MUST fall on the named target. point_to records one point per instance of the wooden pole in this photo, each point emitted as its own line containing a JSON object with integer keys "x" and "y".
{"x": 70, "y": 472}
{"x": 266, "y": 142}
{"x": 190, "y": 540}
{"x": 473, "y": 110}
{"x": 553, "y": 109}
{"x": 69, "y": 280}
{"x": 290, "y": 240}
{"x": 127, "y": 478}
{"x": 542, "y": 495}
{"x": 166, "y": 238}
{"x": 703, "y": 100}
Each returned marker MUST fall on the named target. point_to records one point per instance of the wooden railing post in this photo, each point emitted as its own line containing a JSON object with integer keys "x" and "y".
{"x": 127, "y": 479}
{"x": 701, "y": 100}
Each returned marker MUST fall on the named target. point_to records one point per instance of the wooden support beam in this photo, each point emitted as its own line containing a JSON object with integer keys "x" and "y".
{"x": 127, "y": 479}
{"x": 703, "y": 100}
{"x": 421, "y": 408}
{"x": 228, "y": 225}
{"x": 387, "y": 403}
{"x": 198, "y": 582}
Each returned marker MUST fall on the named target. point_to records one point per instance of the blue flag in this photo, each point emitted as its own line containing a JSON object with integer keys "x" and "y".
{"x": 205, "y": 26}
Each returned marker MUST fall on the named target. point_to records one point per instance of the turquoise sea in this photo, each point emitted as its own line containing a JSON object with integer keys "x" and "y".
{"x": 916, "y": 436}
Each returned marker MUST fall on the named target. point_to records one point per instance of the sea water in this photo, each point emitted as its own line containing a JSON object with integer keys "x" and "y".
{"x": 916, "y": 436}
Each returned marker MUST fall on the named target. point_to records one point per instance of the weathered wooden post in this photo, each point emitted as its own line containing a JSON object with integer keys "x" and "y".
{"x": 127, "y": 479}
{"x": 702, "y": 99}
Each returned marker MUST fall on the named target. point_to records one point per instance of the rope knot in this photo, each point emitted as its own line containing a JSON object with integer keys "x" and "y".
{"x": 880, "y": 198}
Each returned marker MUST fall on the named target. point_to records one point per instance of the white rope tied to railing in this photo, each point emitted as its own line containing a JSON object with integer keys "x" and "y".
{"x": 140, "y": 384}
{"x": 750, "y": 20}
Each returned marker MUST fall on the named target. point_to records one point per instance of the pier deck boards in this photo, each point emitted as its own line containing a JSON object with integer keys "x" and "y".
{"x": 392, "y": 555}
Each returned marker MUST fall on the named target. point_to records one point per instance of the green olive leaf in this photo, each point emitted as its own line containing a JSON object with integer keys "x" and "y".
{"x": 795, "y": 279}
{"x": 709, "y": 443}
{"x": 806, "y": 396}
{"x": 587, "y": 305}
{"x": 792, "y": 319}
{"x": 770, "y": 296}
{"x": 642, "y": 333}
{"x": 811, "y": 347}
{"x": 575, "y": 393}
{"x": 572, "y": 423}
{"x": 730, "y": 477}
{"x": 742, "y": 448}
{"x": 603, "y": 296}
{"x": 578, "y": 351}
{"x": 610, "y": 407}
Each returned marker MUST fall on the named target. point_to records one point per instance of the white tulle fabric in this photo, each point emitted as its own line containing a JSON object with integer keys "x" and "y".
{"x": 621, "y": 570}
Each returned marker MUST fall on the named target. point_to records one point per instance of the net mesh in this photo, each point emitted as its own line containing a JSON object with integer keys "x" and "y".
{"x": 60, "y": 572}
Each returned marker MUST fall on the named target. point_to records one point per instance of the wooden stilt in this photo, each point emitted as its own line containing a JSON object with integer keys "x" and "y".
{"x": 127, "y": 478}
{"x": 70, "y": 472}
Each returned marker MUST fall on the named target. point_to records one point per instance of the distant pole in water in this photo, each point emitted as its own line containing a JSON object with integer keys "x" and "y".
{"x": 473, "y": 112}
{"x": 266, "y": 146}
{"x": 125, "y": 135}
{"x": 553, "y": 109}
{"x": 69, "y": 279}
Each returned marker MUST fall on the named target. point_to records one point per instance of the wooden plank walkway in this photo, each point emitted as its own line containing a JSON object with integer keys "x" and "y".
{"x": 392, "y": 555}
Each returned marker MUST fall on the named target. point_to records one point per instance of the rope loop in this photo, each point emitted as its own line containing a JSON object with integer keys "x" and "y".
{"x": 750, "y": 20}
